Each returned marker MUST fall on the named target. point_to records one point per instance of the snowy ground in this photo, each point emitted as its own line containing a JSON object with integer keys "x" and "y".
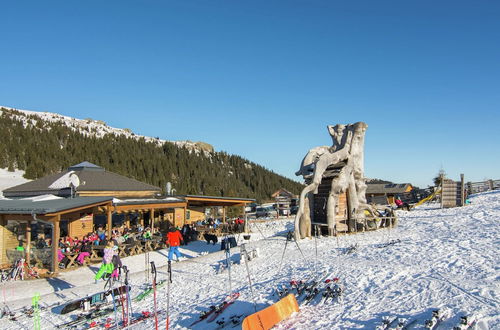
{"x": 446, "y": 259}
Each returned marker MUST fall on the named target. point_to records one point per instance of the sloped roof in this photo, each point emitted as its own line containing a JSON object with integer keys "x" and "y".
{"x": 92, "y": 178}
{"x": 282, "y": 192}
{"x": 28, "y": 206}
{"x": 387, "y": 188}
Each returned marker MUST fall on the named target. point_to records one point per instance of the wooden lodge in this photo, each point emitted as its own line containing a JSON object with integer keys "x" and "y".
{"x": 102, "y": 199}
{"x": 386, "y": 193}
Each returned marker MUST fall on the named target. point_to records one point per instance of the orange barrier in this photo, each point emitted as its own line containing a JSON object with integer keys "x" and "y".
{"x": 272, "y": 315}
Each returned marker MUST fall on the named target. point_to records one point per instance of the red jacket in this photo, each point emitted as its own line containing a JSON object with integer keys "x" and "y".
{"x": 174, "y": 238}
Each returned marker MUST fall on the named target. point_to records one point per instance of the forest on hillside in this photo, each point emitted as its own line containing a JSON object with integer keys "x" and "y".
{"x": 40, "y": 148}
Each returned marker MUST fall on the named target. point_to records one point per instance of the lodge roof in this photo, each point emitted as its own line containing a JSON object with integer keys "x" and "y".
{"x": 91, "y": 177}
{"x": 387, "y": 188}
{"x": 33, "y": 206}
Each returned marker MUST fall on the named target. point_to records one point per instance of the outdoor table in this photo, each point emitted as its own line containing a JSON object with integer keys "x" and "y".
{"x": 95, "y": 250}
{"x": 139, "y": 248}
{"x": 122, "y": 250}
{"x": 131, "y": 249}
{"x": 71, "y": 259}
{"x": 148, "y": 245}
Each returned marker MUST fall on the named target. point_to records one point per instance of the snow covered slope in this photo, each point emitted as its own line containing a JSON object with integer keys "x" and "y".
{"x": 10, "y": 179}
{"x": 98, "y": 128}
{"x": 445, "y": 259}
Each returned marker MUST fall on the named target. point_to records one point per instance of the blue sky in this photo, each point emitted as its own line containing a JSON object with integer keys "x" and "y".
{"x": 262, "y": 79}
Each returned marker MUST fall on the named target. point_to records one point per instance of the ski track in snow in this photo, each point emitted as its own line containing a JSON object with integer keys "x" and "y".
{"x": 446, "y": 258}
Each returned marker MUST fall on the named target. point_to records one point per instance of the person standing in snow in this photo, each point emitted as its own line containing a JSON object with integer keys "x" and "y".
{"x": 174, "y": 239}
{"x": 107, "y": 266}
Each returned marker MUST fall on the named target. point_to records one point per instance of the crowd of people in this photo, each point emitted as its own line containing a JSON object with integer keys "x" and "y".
{"x": 109, "y": 245}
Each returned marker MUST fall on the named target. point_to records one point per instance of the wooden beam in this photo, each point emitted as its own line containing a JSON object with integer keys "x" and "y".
{"x": 223, "y": 214}
{"x": 109, "y": 215}
{"x": 28, "y": 242}
{"x": 151, "y": 218}
{"x": 106, "y": 204}
{"x": 148, "y": 207}
{"x": 55, "y": 243}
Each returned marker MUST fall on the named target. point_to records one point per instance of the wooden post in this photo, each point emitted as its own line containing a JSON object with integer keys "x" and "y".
{"x": 185, "y": 212}
{"x": 246, "y": 220}
{"x": 3, "y": 253}
{"x": 28, "y": 242}
{"x": 462, "y": 190}
{"x": 127, "y": 220}
{"x": 441, "y": 179}
{"x": 55, "y": 243}
{"x": 109, "y": 215}
{"x": 223, "y": 214}
{"x": 151, "y": 218}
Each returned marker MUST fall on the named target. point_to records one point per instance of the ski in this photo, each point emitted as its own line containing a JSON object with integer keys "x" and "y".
{"x": 149, "y": 290}
{"x": 314, "y": 288}
{"x": 437, "y": 316}
{"x": 225, "y": 304}
{"x": 85, "y": 317}
{"x": 87, "y": 302}
{"x": 107, "y": 324}
{"x": 233, "y": 321}
{"x": 405, "y": 324}
{"x": 466, "y": 322}
{"x": 204, "y": 315}
{"x": 333, "y": 291}
{"x": 387, "y": 322}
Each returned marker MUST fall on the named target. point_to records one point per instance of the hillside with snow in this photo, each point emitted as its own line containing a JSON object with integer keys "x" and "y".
{"x": 441, "y": 258}
{"x": 98, "y": 128}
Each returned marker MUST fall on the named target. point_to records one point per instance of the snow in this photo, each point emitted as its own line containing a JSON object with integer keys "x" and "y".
{"x": 10, "y": 179}
{"x": 446, "y": 258}
{"x": 96, "y": 128}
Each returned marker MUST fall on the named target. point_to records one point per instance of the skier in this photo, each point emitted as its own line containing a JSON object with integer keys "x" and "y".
{"x": 107, "y": 266}
{"x": 174, "y": 239}
{"x": 117, "y": 263}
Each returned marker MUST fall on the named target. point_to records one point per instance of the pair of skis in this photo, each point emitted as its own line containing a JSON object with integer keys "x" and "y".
{"x": 214, "y": 311}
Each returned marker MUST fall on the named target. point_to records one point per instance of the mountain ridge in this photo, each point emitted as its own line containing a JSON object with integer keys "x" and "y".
{"x": 43, "y": 143}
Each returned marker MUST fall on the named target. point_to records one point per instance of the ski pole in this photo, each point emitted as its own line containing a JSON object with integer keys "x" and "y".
{"x": 169, "y": 280}
{"x": 283, "y": 256}
{"x": 153, "y": 272}
{"x": 36, "y": 312}
{"x": 127, "y": 295}
{"x": 244, "y": 249}
{"x": 228, "y": 261}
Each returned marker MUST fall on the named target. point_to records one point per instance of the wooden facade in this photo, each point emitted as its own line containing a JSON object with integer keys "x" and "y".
{"x": 319, "y": 215}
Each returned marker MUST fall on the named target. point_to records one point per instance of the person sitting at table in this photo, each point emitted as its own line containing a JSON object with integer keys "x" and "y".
{"x": 107, "y": 266}
{"x": 62, "y": 259}
{"x": 85, "y": 250}
{"x": 20, "y": 247}
{"x": 41, "y": 243}
{"x": 147, "y": 233}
